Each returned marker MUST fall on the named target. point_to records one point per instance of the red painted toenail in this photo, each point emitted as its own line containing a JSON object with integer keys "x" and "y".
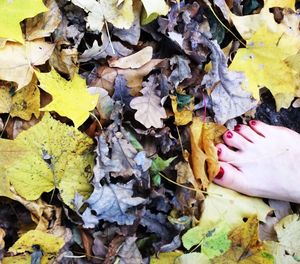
{"x": 220, "y": 174}
{"x": 237, "y": 128}
{"x": 219, "y": 151}
{"x": 252, "y": 122}
{"x": 229, "y": 134}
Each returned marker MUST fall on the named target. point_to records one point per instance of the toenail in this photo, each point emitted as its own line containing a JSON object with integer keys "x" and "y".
{"x": 229, "y": 134}
{"x": 219, "y": 151}
{"x": 237, "y": 128}
{"x": 220, "y": 174}
{"x": 252, "y": 122}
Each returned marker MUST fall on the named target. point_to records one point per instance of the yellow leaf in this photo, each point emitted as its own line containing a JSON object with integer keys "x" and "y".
{"x": 263, "y": 62}
{"x": 190, "y": 258}
{"x": 204, "y": 153}
{"x": 222, "y": 204}
{"x": 184, "y": 116}
{"x": 153, "y": 9}
{"x": 22, "y": 103}
{"x": 280, "y": 3}
{"x": 121, "y": 16}
{"x": 245, "y": 246}
{"x": 19, "y": 68}
{"x": 13, "y": 12}
{"x": 165, "y": 258}
{"x": 70, "y": 98}
{"x": 49, "y": 155}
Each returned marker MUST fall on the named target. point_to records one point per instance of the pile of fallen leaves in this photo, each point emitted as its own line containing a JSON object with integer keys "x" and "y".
{"x": 109, "y": 114}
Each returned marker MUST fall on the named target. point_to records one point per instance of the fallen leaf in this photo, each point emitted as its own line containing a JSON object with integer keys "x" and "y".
{"x": 204, "y": 158}
{"x": 229, "y": 100}
{"x": 192, "y": 258}
{"x": 166, "y": 258}
{"x": 50, "y": 244}
{"x": 44, "y": 24}
{"x": 287, "y": 249}
{"x": 13, "y": 12}
{"x": 149, "y": 108}
{"x": 70, "y": 98}
{"x": 263, "y": 59}
{"x": 133, "y": 61}
{"x": 153, "y": 8}
{"x": 180, "y": 70}
{"x": 22, "y": 103}
{"x": 245, "y": 246}
{"x": 129, "y": 252}
{"x": 20, "y": 68}
{"x": 112, "y": 203}
{"x": 49, "y": 155}
{"x": 224, "y": 205}
{"x": 101, "y": 11}
{"x": 158, "y": 165}
{"x": 122, "y": 92}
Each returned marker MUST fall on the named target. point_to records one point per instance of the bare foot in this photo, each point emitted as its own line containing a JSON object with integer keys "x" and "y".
{"x": 261, "y": 160}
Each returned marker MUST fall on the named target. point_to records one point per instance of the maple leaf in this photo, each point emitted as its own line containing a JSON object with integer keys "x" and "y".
{"x": 263, "y": 62}
{"x": 49, "y": 155}
{"x": 19, "y": 69}
{"x": 13, "y": 12}
{"x": 22, "y": 103}
{"x": 149, "y": 108}
{"x": 111, "y": 203}
{"x": 70, "y": 98}
{"x": 121, "y": 16}
{"x": 224, "y": 205}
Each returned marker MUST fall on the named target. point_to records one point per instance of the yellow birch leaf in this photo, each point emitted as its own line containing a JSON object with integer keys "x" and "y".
{"x": 13, "y": 12}
{"x": 22, "y": 103}
{"x": 263, "y": 62}
{"x": 19, "y": 67}
{"x": 48, "y": 155}
{"x": 70, "y": 98}
{"x": 184, "y": 116}
{"x": 153, "y": 9}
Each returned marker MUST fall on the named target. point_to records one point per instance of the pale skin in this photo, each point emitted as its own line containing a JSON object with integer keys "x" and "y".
{"x": 261, "y": 160}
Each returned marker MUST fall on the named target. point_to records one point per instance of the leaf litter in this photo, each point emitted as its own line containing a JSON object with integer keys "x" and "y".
{"x": 109, "y": 114}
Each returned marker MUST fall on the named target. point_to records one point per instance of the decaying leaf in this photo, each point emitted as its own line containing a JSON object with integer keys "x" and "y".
{"x": 110, "y": 11}
{"x": 20, "y": 69}
{"x": 229, "y": 100}
{"x": 70, "y": 98}
{"x": 149, "y": 108}
{"x": 224, "y": 205}
{"x": 13, "y": 12}
{"x": 49, "y": 155}
{"x": 113, "y": 203}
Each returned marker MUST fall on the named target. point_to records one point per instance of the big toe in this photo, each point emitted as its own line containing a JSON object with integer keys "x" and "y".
{"x": 230, "y": 177}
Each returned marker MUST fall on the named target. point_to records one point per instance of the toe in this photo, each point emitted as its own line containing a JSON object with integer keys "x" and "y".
{"x": 260, "y": 127}
{"x": 230, "y": 177}
{"x": 226, "y": 154}
{"x": 235, "y": 140}
{"x": 248, "y": 133}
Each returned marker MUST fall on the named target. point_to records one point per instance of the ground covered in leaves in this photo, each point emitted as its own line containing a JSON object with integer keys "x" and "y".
{"x": 109, "y": 114}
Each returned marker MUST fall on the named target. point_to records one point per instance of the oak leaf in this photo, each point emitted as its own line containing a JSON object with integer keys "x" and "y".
{"x": 13, "y": 12}
{"x": 149, "y": 108}
{"x": 70, "y": 98}
{"x": 19, "y": 69}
